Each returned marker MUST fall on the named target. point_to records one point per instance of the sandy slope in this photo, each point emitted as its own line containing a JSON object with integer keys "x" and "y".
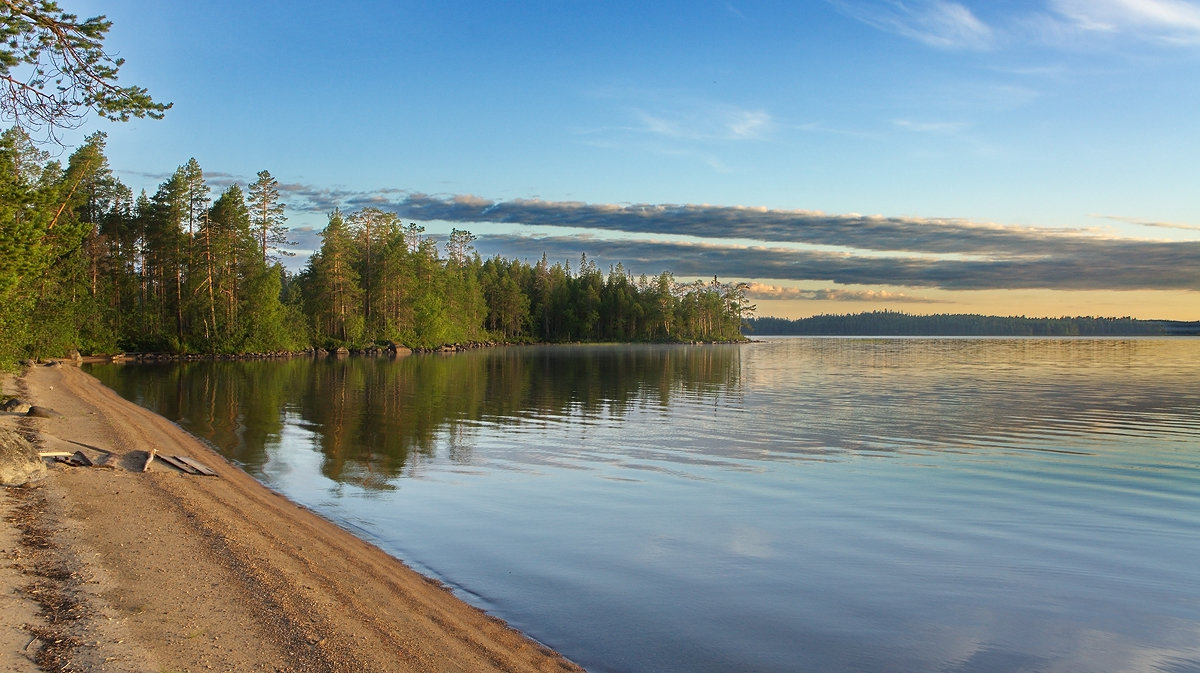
{"x": 163, "y": 571}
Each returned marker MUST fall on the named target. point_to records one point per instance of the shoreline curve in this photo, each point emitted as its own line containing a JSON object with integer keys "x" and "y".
{"x": 163, "y": 570}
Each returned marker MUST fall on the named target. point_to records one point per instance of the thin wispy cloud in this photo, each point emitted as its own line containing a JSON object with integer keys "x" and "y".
{"x": 1064, "y": 23}
{"x": 945, "y": 25}
{"x": 678, "y": 116}
{"x": 677, "y": 125}
{"x": 705, "y": 122}
{"x": 1168, "y": 21}
{"x": 749, "y": 124}
{"x": 1148, "y": 223}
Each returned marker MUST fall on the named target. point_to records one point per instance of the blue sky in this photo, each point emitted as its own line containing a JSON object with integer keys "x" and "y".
{"x": 1032, "y": 157}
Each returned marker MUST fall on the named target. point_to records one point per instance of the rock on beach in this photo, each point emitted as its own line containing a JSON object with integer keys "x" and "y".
{"x": 19, "y": 460}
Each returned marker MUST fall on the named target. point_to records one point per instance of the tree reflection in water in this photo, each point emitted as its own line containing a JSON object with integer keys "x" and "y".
{"x": 374, "y": 416}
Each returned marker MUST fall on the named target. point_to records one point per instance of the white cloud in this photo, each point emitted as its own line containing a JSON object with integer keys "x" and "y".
{"x": 659, "y": 125}
{"x": 705, "y": 122}
{"x": 749, "y": 123}
{"x": 1171, "y": 21}
{"x": 1063, "y": 23}
{"x": 945, "y": 25}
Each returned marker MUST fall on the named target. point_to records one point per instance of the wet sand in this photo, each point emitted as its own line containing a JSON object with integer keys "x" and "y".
{"x": 115, "y": 569}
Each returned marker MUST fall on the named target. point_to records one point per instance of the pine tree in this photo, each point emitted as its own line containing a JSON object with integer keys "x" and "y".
{"x": 371, "y": 229}
{"x": 266, "y": 215}
{"x": 332, "y": 292}
{"x": 24, "y": 218}
{"x": 227, "y": 245}
{"x": 49, "y": 246}
{"x": 54, "y": 69}
{"x": 167, "y": 246}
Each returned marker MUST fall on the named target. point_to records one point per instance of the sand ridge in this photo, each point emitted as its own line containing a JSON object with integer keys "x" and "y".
{"x": 175, "y": 572}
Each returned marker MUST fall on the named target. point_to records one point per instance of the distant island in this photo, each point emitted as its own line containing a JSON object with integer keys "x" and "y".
{"x": 892, "y": 323}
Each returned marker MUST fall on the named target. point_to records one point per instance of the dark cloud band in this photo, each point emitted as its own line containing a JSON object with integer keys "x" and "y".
{"x": 914, "y": 252}
{"x": 1143, "y": 267}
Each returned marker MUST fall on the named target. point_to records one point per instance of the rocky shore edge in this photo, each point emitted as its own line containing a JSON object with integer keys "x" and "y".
{"x": 379, "y": 350}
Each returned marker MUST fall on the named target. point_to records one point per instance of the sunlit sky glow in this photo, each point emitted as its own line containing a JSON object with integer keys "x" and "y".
{"x": 1035, "y": 157}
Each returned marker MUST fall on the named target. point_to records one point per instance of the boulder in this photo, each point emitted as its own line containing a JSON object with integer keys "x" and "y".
{"x": 15, "y": 405}
{"x": 19, "y": 461}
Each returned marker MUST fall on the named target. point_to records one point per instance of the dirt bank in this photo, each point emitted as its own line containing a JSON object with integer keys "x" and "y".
{"x": 114, "y": 569}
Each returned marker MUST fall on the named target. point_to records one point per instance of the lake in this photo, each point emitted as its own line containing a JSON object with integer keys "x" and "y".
{"x": 819, "y": 505}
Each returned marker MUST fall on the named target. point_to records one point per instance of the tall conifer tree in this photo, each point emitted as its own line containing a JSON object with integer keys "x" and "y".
{"x": 266, "y": 214}
{"x": 332, "y": 290}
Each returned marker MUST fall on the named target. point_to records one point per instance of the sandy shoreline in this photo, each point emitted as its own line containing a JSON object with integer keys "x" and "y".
{"x": 165, "y": 571}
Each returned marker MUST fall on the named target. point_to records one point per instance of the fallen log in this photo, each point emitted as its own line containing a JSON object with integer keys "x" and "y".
{"x": 196, "y": 465}
{"x": 178, "y": 464}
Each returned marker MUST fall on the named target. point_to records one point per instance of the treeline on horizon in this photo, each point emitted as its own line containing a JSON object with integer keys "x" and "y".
{"x": 892, "y": 323}
{"x": 84, "y": 264}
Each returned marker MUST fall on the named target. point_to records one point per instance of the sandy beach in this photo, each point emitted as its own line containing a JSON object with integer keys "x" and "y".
{"x": 109, "y": 568}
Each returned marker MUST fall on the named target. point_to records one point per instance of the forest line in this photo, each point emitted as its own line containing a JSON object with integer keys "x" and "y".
{"x": 85, "y": 264}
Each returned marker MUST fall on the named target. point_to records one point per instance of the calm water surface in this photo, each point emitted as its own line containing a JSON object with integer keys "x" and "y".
{"x": 798, "y": 505}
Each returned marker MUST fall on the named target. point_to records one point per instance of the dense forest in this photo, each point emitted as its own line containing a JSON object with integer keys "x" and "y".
{"x": 84, "y": 264}
{"x": 890, "y": 323}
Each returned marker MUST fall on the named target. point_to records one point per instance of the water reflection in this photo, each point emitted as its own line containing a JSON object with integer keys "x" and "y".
{"x": 821, "y": 399}
{"x": 834, "y": 505}
{"x": 912, "y": 395}
{"x": 373, "y": 417}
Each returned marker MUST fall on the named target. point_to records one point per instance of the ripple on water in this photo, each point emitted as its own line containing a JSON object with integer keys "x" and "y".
{"x": 804, "y": 504}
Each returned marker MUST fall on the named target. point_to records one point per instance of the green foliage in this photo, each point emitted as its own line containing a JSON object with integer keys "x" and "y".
{"x": 46, "y": 215}
{"x": 273, "y": 326}
{"x": 16, "y": 327}
{"x": 55, "y": 69}
{"x": 267, "y": 218}
{"x": 25, "y": 210}
{"x": 84, "y": 265}
{"x": 331, "y": 287}
{"x": 396, "y": 283}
